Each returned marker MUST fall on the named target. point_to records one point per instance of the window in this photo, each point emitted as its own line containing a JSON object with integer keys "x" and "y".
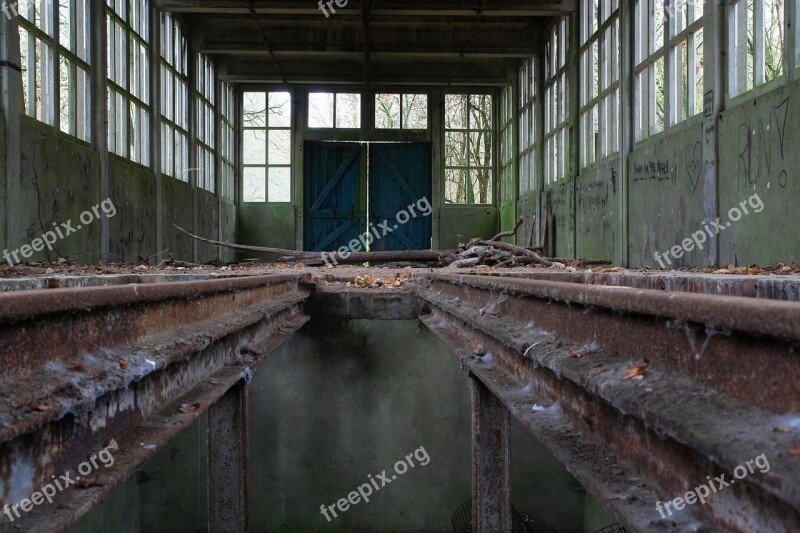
{"x": 755, "y": 33}
{"x": 205, "y": 84}
{"x": 401, "y": 111}
{"x": 556, "y": 109}
{"x": 128, "y": 79}
{"x": 649, "y": 70}
{"x": 508, "y": 186}
{"x": 267, "y": 147}
{"x": 528, "y": 171}
{"x": 40, "y": 44}
{"x": 685, "y": 20}
{"x": 468, "y": 148}
{"x": 600, "y": 90}
{"x": 174, "y": 100}
{"x": 334, "y": 110}
{"x": 227, "y": 141}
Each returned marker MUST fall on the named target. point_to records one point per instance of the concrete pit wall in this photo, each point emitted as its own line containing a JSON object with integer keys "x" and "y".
{"x": 340, "y": 401}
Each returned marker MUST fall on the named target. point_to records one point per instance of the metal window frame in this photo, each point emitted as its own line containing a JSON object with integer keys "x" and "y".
{"x": 227, "y": 141}
{"x": 51, "y": 88}
{"x": 556, "y": 88}
{"x": 134, "y": 135}
{"x": 738, "y": 79}
{"x": 205, "y": 136}
{"x": 527, "y": 106}
{"x": 608, "y": 88}
{"x": 177, "y": 72}
{"x": 402, "y": 103}
{"x": 266, "y": 129}
{"x": 468, "y": 130}
{"x": 336, "y": 127}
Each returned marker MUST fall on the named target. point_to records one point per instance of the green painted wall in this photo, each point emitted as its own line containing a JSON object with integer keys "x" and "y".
{"x": 132, "y": 229}
{"x": 462, "y": 223}
{"x": 59, "y": 180}
{"x": 760, "y": 156}
{"x": 666, "y": 195}
{"x": 266, "y": 225}
{"x": 598, "y": 212}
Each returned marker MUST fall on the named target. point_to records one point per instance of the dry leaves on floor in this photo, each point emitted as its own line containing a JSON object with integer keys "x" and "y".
{"x": 635, "y": 372}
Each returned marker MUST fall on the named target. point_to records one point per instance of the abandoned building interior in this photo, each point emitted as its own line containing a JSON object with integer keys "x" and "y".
{"x": 412, "y": 265}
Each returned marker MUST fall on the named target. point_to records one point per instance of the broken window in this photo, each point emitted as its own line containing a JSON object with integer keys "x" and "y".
{"x": 174, "y": 100}
{"x": 600, "y": 90}
{"x": 556, "y": 103}
{"x": 227, "y": 141}
{"x": 205, "y": 85}
{"x": 401, "y": 111}
{"x": 67, "y": 80}
{"x": 468, "y": 149}
{"x": 267, "y": 147}
{"x": 129, "y": 79}
{"x": 334, "y": 110}
{"x": 756, "y": 42}
{"x": 527, "y": 126}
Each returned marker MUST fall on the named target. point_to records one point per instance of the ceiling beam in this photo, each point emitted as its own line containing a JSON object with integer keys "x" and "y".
{"x": 416, "y": 8}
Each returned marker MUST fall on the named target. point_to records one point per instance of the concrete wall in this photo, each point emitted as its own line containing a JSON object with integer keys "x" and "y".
{"x": 655, "y": 194}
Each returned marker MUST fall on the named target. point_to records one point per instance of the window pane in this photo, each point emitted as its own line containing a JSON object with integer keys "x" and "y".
{"x": 387, "y": 111}
{"x": 415, "y": 111}
{"x": 255, "y": 110}
{"x": 280, "y": 184}
{"x": 455, "y": 149}
{"x": 254, "y": 148}
{"x": 254, "y": 184}
{"x": 280, "y": 110}
{"x": 348, "y": 111}
{"x": 455, "y": 111}
{"x": 454, "y": 189}
{"x": 280, "y": 147}
{"x": 320, "y": 110}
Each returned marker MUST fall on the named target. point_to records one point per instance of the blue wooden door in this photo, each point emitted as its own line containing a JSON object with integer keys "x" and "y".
{"x": 333, "y": 196}
{"x": 400, "y": 175}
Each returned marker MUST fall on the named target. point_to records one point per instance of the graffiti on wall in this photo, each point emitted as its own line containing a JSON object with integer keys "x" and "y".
{"x": 760, "y": 149}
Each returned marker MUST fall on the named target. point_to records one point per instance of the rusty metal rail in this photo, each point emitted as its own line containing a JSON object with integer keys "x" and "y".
{"x": 719, "y": 387}
{"x": 85, "y": 365}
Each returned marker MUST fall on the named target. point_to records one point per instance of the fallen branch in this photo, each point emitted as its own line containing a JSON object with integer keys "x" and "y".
{"x": 172, "y": 262}
{"x": 509, "y": 233}
{"x": 333, "y": 257}
{"x": 519, "y": 251}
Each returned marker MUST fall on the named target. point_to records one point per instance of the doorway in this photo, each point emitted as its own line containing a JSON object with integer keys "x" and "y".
{"x": 347, "y": 185}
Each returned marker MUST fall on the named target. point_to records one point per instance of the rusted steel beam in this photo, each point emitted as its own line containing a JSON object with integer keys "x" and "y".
{"x": 227, "y": 462}
{"x": 491, "y": 462}
{"x": 84, "y": 366}
{"x": 719, "y": 388}
{"x": 770, "y": 287}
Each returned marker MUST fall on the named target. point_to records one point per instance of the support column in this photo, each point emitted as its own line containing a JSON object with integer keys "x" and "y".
{"x": 491, "y": 458}
{"x": 10, "y": 127}
{"x": 227, "y": 462}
